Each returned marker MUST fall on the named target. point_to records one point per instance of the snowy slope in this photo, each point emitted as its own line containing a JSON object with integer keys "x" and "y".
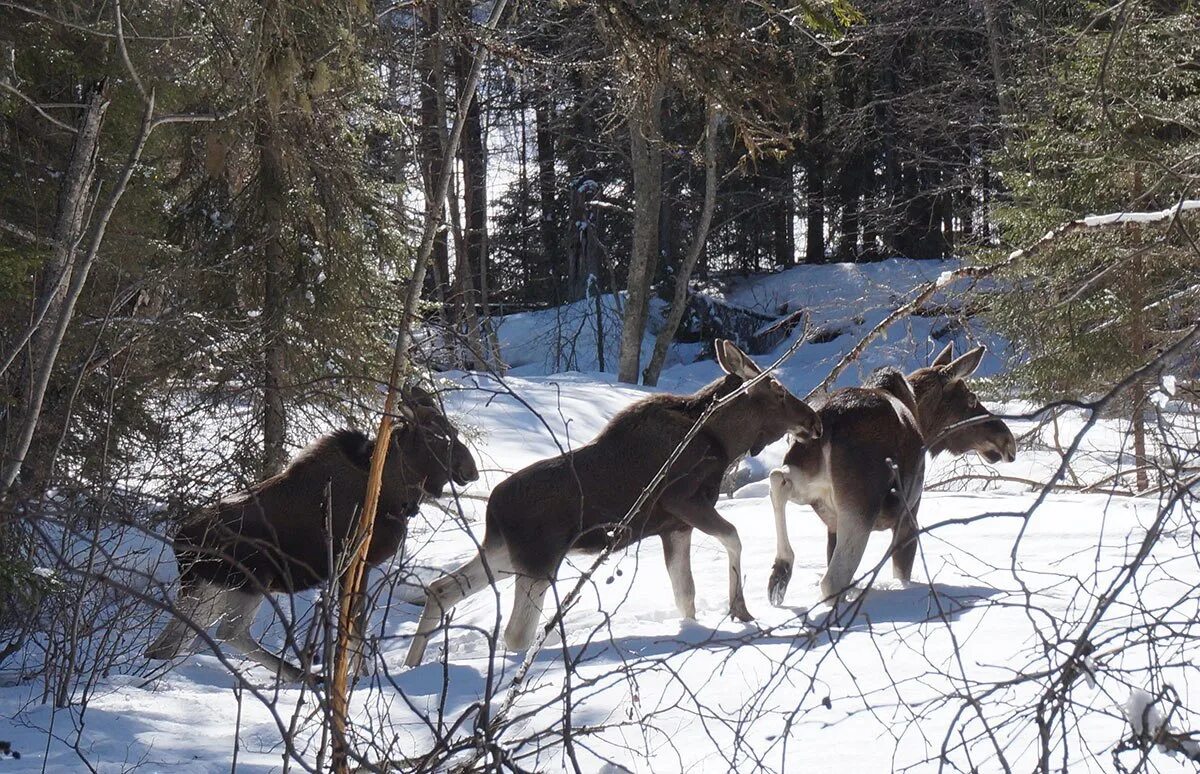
{"x": 653, "y": 693}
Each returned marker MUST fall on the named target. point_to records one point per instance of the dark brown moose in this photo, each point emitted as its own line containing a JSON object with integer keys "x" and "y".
{"x": 848, "y": 476}
{"x": 273, "y": 538}
{"x": 576, "y": 502}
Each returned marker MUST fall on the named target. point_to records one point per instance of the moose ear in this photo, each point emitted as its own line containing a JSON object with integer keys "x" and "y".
{"x": 734, "y": 361}
{"x": 966, "y": 365}
{"x": 944, "y": 357}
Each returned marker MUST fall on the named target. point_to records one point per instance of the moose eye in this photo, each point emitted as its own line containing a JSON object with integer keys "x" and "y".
{"x": 972, "y": 401}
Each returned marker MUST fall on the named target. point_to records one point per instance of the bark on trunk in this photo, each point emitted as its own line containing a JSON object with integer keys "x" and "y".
{"x": 1137, "y": 342}
{"x": 848, "y": 190}
{"x": 69, "y": 221}
{"x": 547, "y": 195}
{"x": 992, "y": 23}
{"x": 814, "y": 186}
{"x": 645, "y": 144}
{"x": 54, "y": 280}
{"x": 83, "y": 265}
{"x": 432, "y": 117}
{"x": 474, "y": 168}
{"x": 464, "y": 296}
{"x": 679, "y": 298}
{"x": 272, "y": 193}
{"x": 785, "y": 230}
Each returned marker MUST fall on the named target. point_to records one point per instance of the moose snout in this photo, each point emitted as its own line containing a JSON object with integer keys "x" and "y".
{"x": 1001, "y": 448}
{"x": 464, "y": 470}
{"x": 1008, "y": 448}
{"x": 463, "y": 476}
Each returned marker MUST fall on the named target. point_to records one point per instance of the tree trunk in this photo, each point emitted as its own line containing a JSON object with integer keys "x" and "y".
{"x": 547, "y": 194}
{"x": 645, "y": 145}
{"x": 583, "y": 253}
{"x": 54, "y": 279}
{"x": 432, "y": 117}
{"x": 464, "y": 294}
{"x": 814, "y": 185}
{"x": 992, "y": 23}
{"x": 1137, "y": 343}
{"x": 41, "y": 374}
{"x": 471, "y": 249}
{"x": 848, "y": 188}
{"x": 577, "y": 148}
{"x": 785, "y": 229}
{"x": 474, "y": 168}
{"x": 679, "y": 300}
{"x": 272, "y": 196}
{"x": 68, "y": 224}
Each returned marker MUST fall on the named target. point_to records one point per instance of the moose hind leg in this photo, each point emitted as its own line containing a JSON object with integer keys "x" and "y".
{"x": 904, "y": 549}
{"x": 850, "y": 542}
{"x": 677, "y": 551}
{"x": 527, "y": 610}
{"x": 197, "y": 608}
{"x": 240, "y": 607}
{"x": 449, "y": 590}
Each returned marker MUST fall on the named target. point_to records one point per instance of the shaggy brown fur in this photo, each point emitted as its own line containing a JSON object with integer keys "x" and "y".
{"x": 274, "y": 537}
{"x": 848, "y": 476}
{"x": 576, "y": 501}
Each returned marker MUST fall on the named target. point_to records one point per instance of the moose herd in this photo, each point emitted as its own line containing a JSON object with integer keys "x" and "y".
{"x": 654, "y": 470}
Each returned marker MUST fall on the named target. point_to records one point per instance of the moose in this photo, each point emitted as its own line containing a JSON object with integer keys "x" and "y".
{"x": 578, "y": 501}
{"x": 867, "y": 470}
{"x": 279, "y": 536}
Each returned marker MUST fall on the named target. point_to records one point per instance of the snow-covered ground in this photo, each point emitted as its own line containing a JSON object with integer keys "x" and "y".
{"x": 912, "y": 682}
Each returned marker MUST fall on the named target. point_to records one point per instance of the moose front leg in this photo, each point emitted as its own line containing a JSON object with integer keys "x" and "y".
{"x": 677, "y": 551}
{"x": 785, "y": 557}
{"x": 704, "y": 517}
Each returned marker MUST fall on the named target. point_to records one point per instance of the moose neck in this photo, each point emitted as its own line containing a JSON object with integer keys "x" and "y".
{"x": 737, "y": 429}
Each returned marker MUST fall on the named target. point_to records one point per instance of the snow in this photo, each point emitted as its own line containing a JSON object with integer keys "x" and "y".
{"x": 1145, "y": 715}
{"x": 1143, "y": 712}
{"x": 655, "y": 693}
{"x": 1113, "y": 218}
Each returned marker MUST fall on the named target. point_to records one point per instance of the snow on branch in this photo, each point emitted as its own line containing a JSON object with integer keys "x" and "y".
{"x": 1152, "y": 729}
{"x": 1116, "y": 218}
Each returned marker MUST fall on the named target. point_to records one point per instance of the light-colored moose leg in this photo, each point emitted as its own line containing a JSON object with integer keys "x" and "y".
{"x": 677, "y": 551}
{"x": 785, "y": 557}
{"x": 905, "y": 544}
{"x": 704, "y": 517}
{"x": 850, "y": 541}
{"x": 449, "y": 590}
{"x": 527, "y": 611}
{"x": 239, "y": 610}
{"x": 197, "y": 607}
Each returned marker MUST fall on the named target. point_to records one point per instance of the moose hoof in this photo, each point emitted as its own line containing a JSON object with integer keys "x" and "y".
{"x": 740, "y": 613}
{"x": 781, "y": 575}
